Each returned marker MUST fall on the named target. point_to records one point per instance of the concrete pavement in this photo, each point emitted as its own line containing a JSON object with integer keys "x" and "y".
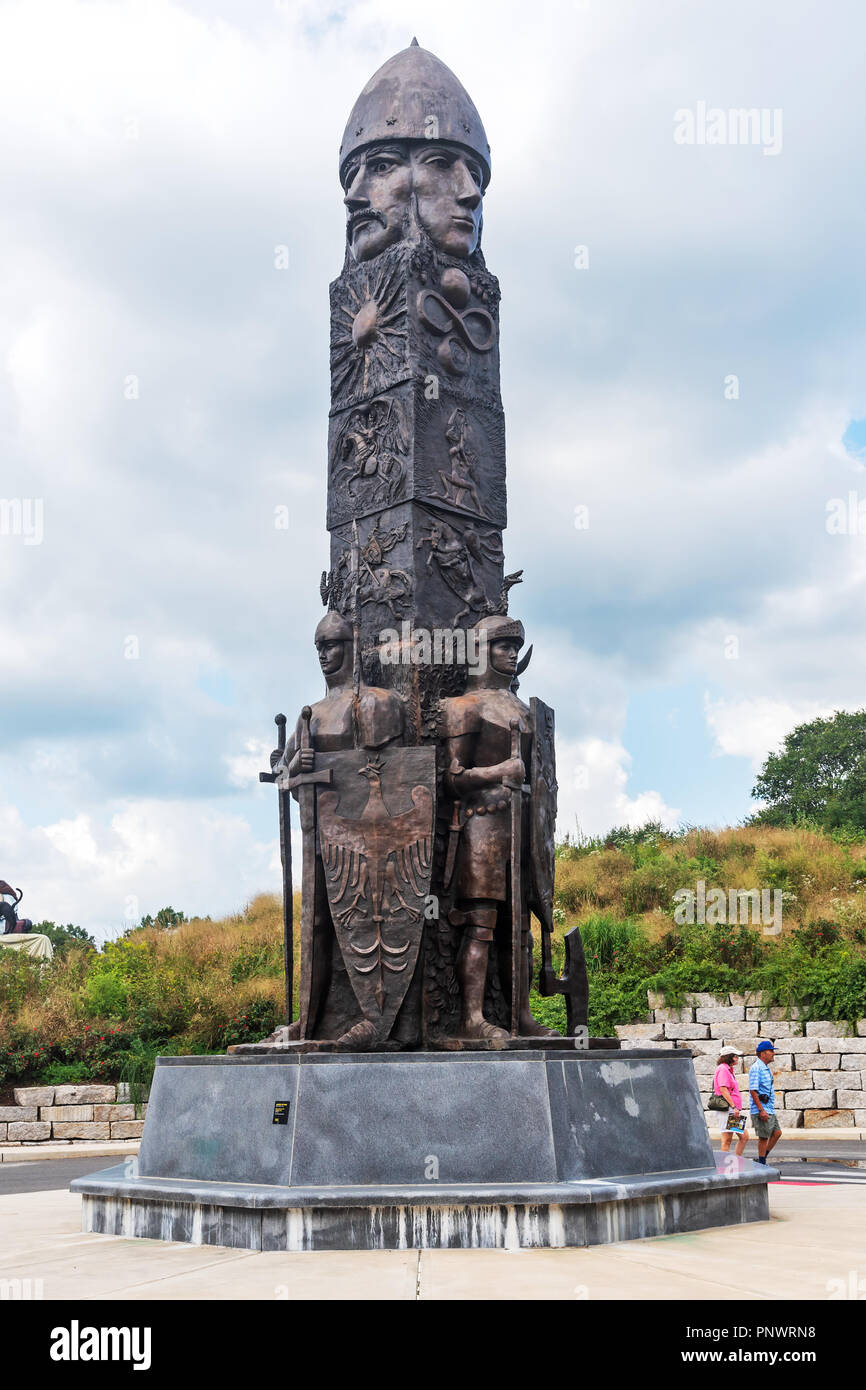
{"x": 83, "y": 1148}
{"x": 828, "y": 1147}
{"x": 38, "y": 1153}
{"x": 811, "y": 1247}
{"x": 43, "y": 1177}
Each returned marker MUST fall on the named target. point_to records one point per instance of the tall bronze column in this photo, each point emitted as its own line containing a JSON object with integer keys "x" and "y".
{"x": 428, "y": 788}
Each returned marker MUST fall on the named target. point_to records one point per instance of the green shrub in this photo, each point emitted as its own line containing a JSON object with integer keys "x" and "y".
{"x": 264, "y": 960}
{"x": 606, "y": 940}
{"x": 106, "y": 994}
{"x": 62, "y": 938}
{"x": 20, "y": 979}
{"x": 261, "y": 1019}
{"x": 65, "y": 1073}
{"x": 548, "y": 1010}
{"x": 616, "y": 997}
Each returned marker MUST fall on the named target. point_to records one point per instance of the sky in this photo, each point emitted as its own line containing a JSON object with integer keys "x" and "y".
{"x": 683, "y": 345}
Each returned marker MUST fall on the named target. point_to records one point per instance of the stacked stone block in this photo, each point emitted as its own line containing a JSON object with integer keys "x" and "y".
{"x": 67, "y": 1113}
{"x": 819, "y": 1069}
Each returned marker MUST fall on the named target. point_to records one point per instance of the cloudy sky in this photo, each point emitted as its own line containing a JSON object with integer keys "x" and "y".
{"x": 692, "y": 383}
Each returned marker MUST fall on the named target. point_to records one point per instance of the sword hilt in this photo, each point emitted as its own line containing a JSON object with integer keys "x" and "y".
{"x": 276, "y": 756}
{"x": 515, "y": 753}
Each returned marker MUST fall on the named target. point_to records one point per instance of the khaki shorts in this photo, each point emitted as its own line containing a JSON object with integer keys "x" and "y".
{"x": 765, "y": 1129}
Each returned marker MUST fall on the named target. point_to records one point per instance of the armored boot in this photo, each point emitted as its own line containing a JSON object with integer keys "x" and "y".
{"x": 359, "y": 1038}
{"x": 472, "y": 974}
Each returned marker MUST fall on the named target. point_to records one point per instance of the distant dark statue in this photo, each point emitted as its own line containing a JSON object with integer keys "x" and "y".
{"x": 9, "y": 911}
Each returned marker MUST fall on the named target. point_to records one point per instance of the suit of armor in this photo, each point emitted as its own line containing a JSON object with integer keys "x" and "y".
{"x": 481, "y": 775}
{"x": 380, "y": 719}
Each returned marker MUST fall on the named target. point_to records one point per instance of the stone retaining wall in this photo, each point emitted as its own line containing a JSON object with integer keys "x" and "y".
{"x": 819, "y": 1070}
{"x": 65, "y": 1113}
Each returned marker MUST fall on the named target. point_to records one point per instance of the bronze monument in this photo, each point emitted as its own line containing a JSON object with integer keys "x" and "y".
{"x": 426, "y": 790}
{"x": 415, "y": 1101}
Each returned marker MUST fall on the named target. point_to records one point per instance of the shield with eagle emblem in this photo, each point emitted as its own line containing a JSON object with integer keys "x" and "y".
{"x": 375, "y": 822}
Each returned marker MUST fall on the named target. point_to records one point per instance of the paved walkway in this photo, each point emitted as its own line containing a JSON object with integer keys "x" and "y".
{"x": 816, "y": 1235}
{"x": 825, "y": 1143}
{"x": 46, "y": 1175}
{"x": 74, "y": 1148}
{"x": 797, "y": 1170}
{"x": 847, "y": 1150}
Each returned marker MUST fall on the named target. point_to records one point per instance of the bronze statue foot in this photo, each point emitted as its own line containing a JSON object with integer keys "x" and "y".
{"x": 480, "y": 1028}
{"x": 359, "y": 1038}
{"x": 284, "y": 1034}
{"x": 529, "y": 1027}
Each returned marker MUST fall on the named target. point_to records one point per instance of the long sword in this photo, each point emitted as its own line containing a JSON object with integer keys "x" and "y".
{"x": 286, "y": 862}
{"x": 356, "y": 636}
{"x": 305, "y": 785}
{"x": 288, "y": 895}
{"x": 516, "y": 885}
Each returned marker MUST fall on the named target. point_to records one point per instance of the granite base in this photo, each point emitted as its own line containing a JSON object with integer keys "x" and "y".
{"x": 423, "y": 1150}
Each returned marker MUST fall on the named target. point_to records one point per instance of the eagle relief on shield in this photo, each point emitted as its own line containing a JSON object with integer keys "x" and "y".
{"x": 376, "y": 833}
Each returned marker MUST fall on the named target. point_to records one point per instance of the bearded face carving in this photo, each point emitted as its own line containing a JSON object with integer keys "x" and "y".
{"x": 414, "y": 157}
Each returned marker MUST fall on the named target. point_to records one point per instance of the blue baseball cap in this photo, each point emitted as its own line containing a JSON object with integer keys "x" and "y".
{"x": 765, "y": 1046}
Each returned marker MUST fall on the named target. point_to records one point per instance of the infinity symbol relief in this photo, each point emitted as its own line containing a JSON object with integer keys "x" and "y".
{"x": 462, "y": 332}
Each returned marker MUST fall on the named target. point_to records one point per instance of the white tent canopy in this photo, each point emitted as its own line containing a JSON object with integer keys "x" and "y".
{"x": 31, "y": 943}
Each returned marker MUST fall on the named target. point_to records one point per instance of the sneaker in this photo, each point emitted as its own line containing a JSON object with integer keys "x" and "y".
{"x": 761, "y": 1160}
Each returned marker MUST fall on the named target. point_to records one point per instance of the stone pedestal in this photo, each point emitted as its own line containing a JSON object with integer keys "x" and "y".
{"x": 551, "y": 1147}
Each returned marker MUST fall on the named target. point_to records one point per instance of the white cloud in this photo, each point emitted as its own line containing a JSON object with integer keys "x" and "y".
{"x": 106, "y": 873}
{"x": 752, "y": 728}
{"x": 593, "y": 779}
{"x": 153, "y": 255}
{"x": 244, "y": 768}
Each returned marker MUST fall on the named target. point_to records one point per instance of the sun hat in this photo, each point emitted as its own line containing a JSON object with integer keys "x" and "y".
{"x": 730, "y": 1052}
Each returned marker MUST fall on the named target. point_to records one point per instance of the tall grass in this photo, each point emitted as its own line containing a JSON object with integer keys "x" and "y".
{"x": 199, "y": 985}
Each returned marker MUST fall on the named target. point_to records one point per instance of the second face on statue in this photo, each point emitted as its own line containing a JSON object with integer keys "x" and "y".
{"x": 388, "y": 186}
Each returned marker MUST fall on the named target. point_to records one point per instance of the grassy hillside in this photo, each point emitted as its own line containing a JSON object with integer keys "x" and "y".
{"x": 634, "y": 874}
{"x": 193, "y": 988}
{"x": 620, "y": 892}
{"x": 202, "y": 985}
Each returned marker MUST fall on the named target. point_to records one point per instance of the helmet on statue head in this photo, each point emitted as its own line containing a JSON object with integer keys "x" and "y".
{"x": 496, "y": 627}
{"x": 333, "y": 628}
{"x": 414, "y": 96}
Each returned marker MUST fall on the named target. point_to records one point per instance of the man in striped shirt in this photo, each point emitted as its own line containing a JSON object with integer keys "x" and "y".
{"x": 763, "y": 1101}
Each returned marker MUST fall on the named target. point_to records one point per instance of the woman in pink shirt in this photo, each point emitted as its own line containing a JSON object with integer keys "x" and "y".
{"x": 725, "y": 1084}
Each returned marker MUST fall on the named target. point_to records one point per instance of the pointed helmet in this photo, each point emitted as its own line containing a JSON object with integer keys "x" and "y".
{"x": 333, "y": 628}
{"x": 496, "y": 627}
{"x": 414, "y": 96}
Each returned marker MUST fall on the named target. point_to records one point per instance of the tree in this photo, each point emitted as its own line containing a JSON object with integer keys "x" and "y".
{"x": 62, "y": 938}
{"x": 819, "y": 774}
{"x": 165, "y": 918}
